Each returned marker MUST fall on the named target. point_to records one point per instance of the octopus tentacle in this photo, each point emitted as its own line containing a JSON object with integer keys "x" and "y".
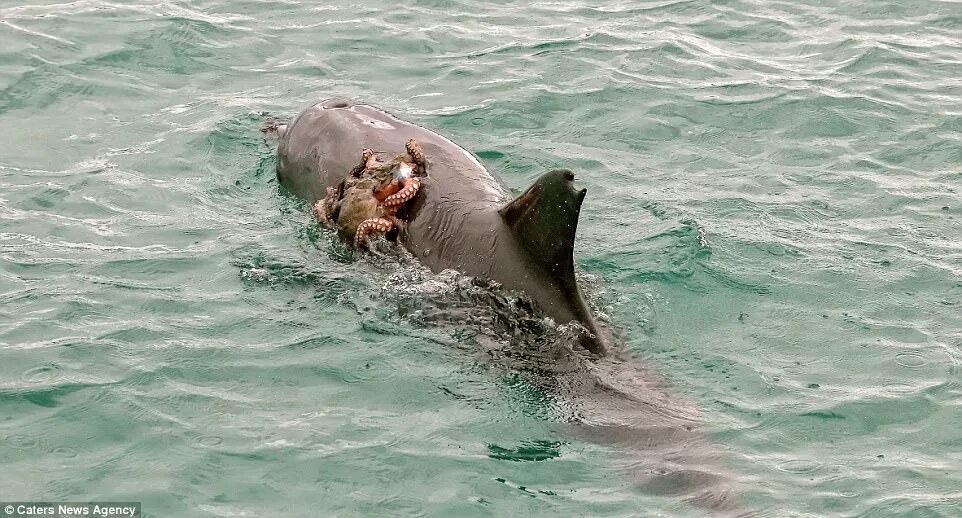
{"x": 370, "y": 227}
{"x": 402, "y": 170}
{"x": 370, "y": 158}
{"x": 368, "y": 161}
{"x": 408, "y": 190}
{"x": 326, "y": 210}
{"x": 320, "y": 212}
{"x": 399, "y": 224}
{"x": 417, "y": 156}
{"x": 386, "y": 191}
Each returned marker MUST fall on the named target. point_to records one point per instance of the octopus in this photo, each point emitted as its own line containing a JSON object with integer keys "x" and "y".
{"x": 367, "y": 202}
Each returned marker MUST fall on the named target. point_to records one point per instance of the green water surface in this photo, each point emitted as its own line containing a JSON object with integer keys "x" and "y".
{"x": 773, "y": 221}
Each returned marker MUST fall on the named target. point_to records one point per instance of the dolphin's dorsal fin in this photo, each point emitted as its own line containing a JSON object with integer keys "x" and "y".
{"x": 544, "y": 219}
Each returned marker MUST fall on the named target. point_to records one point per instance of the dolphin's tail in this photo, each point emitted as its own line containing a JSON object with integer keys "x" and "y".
{"x": 668, "y": 460}
{"x": 658, "y": 436}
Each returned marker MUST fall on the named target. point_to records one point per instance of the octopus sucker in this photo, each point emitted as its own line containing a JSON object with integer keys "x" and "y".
{"x": 417, "y": 156}
{"x": 408, "y": 190}
{"x": 369, "y": 227}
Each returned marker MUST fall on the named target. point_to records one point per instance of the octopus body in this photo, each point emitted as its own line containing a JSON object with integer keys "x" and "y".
{"x": 366, "y": 203}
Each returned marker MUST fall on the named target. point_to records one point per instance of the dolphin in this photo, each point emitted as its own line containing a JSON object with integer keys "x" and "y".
{"x": 463, "y": 218}
{"x": 466, "y": 219}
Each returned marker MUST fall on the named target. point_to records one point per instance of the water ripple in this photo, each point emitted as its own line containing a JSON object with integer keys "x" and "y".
{"x": 771, "y": 222}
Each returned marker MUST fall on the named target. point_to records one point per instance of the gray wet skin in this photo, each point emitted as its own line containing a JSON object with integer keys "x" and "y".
{"x": 463, "y": 217}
